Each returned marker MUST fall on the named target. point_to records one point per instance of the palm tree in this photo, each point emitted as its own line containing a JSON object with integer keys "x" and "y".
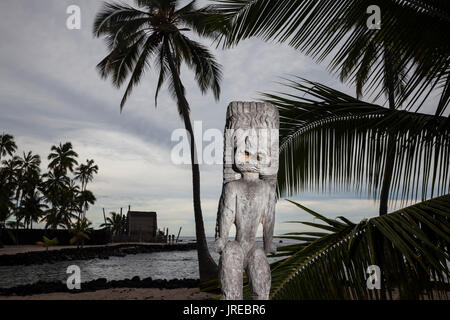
{"x": 62, "y": 157}
{"x": 53, "y": 219}
{"x": 33, "y": 209}
{"x": 157, "y": 30}
{"x": 54, "y": 187}
{"x": 28, "y": 175}
{"x": 70, "y": 204}
{"x": 115, "y": 223}
{"x": 80, "y": 230}
{"x": 7, "y": 145}
{"x": 85, "y": 198}
{"x": 6, "y": 200}
{"x": 54, "y": 182}
{"x": 85, "y": 173}
{"x": 10, "y": 170}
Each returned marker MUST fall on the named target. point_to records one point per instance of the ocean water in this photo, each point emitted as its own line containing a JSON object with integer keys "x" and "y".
{"x": 158, "y": 265}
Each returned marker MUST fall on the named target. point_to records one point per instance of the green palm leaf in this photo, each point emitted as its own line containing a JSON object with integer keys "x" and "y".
{"x": 333, "y": 266}
{"x": 330, "y": 140}
{"x": 337, "y": 31}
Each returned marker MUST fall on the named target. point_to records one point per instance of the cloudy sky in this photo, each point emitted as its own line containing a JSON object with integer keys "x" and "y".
{"x": 51, "y": 92}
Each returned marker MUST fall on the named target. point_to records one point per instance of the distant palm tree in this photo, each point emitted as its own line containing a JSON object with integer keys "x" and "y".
{"x": 33, "y": 209}
{"x": 6, "y": 200}
{"x": 53, "y": 219}
{"x": 85, "y": 198}
{"x": 85, "y": 173}
{"x": 53, "y": 184}
{"x": 30, "y": 162}
{"x": 70, "y": 205}
{"x": 10, "y": 182}
{"x": 10, "y": 170}
{"x": 28, "y": 174}
{"x": 55, "y": 189}
{"x": 157, "y": 31}
{"x": 7, "y": 145}
{"x": 62, "y": 157}
{"x": 80, "y": 230}
{"x": 115, "y": 223}
{"x": 26, "y": 170}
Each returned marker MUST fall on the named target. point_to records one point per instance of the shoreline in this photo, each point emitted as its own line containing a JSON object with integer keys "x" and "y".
{"x": 30, "y": 255}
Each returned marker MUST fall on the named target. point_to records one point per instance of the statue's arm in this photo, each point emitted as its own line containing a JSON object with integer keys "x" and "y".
{"x": 227, "y": 208}
{"x": 269, "y": 223}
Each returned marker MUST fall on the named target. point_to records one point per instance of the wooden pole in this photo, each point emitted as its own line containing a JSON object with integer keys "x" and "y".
{"x": 179, "y": 231}
{"x": 104, "y": 215}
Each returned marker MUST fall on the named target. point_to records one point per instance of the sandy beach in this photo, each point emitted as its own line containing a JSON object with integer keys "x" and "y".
{"x": 121, "y": 294}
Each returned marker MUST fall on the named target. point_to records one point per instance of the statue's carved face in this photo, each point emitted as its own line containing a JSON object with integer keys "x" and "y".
{"x": 251, "y": 141}
{"x": 252, "y": 150}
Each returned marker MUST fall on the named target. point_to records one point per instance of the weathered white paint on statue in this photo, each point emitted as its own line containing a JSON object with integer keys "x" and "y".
{"x": 248, "y": 197}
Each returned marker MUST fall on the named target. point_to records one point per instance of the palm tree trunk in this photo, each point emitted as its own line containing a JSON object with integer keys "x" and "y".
{"x": 207, "y": 267}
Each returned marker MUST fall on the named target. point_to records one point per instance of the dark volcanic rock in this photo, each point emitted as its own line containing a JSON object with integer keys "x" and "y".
{"x": 99, "y": 284}
{"x": 88, "y": 253}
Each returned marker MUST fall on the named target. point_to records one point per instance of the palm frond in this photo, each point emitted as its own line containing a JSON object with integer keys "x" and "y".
{"x": 112, "y": 17}
{"x": 207, "y": 70}
{"x": 334, "y": 266}
{"x": 330, "y": 140}
{"x": 139, "y": 66}
{"x": 320, "y": 28}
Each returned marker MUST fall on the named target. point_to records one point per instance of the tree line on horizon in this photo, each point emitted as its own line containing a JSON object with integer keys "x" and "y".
{"x": 58, "y": 197}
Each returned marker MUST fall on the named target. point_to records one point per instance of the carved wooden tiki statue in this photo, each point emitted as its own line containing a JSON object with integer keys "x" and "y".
{"x": 248, "y": 197}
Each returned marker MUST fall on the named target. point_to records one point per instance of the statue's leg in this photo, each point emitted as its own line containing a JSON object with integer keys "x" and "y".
{"x": 258, "y": 271}
{"x": 231, "y": 269}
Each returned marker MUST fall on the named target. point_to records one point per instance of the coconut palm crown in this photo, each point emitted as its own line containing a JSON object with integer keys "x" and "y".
{"x": 156, "y": 34}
